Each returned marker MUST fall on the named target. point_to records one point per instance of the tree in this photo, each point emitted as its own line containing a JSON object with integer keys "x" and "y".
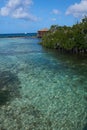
{"x": 67, "y": 38}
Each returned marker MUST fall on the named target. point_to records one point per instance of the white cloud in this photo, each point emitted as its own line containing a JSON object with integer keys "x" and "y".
{"x": 78, "y": 9}
{"x": 18, "y": 9}
{"x": 53, "y": 19}
{"x": 55, "y": 11}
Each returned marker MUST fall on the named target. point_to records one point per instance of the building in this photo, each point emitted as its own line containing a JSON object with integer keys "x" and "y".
{"x": 42, "y": 32}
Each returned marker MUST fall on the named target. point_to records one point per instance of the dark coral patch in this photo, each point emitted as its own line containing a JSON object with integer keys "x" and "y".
{"x": 9, "y": 86}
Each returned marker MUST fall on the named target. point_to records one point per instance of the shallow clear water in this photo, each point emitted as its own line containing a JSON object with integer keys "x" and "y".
{"x": 41, "y": 89}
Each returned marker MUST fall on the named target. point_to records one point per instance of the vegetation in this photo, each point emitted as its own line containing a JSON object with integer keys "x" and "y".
{"x": 71, "y": 39}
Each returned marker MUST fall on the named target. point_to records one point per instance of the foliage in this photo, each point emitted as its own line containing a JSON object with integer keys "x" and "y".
{"x": 68, "y": 38}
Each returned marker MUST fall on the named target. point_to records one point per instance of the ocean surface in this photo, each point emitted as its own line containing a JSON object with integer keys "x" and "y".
{"x": 18, "y": 35}
{"x": 41, "y": 89}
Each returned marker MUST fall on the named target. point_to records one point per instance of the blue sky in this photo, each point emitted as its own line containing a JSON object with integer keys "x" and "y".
{"x": 19, "y": 16}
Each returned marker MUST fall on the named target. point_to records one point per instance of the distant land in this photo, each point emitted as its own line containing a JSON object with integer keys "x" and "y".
{"x": 18, "y": 35}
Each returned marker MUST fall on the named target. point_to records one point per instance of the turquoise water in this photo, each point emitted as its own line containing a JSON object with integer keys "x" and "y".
{"x": 41, "y": 89}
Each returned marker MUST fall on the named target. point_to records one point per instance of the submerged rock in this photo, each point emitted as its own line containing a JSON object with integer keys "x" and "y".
{"x": 9, "y": 86}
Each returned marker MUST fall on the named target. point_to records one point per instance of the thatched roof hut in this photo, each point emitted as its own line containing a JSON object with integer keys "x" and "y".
{"x": 42, "y": 32}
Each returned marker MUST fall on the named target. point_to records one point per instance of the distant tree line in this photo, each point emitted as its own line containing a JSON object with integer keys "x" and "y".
{"x": 71, "y": 39}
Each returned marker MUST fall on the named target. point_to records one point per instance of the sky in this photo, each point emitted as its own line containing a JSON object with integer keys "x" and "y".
{"x": 20, "y": 16}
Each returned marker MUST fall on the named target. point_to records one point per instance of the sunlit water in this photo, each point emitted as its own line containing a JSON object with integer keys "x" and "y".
{"x": 41, "y": 89}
